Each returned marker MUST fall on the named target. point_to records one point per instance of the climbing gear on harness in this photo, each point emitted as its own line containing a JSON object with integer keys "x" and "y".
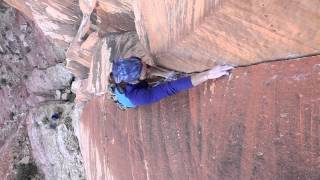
{"x": 119, "y": 97}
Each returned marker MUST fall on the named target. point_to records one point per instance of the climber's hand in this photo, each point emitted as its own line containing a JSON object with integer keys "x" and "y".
{"x": 219, "y": 71}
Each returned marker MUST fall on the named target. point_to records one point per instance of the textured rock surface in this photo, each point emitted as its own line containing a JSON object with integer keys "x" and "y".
{"x": 29, "y": 76}
{"x": 54, "y": 144}
{"x": 16, "y": 152}
{"x": 50, "y": 79}
{"x": 194, "y": 35}
{"x": 65, "y": 23}
{"x": 274, "y": 134}
{"x": 115, "y": 15}
{"x": 260, "y": 123}
{"x": 57, "y": 19}
{"x": 100, "y": 18}
{"x": 17, "y": 60}
{"x": 80, "y": 56}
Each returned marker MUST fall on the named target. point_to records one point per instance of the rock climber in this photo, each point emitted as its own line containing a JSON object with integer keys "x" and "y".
{"x": 131, "y": 88}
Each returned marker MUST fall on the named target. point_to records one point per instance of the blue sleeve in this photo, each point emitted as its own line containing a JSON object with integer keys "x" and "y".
{"x": 141, "y": 95}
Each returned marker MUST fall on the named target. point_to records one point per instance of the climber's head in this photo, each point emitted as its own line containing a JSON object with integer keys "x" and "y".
{"x": 129, "y": 70}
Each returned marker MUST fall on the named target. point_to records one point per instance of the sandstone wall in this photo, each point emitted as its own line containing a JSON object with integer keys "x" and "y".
{"x": 262, "y": 122}
{"x": 195, "y": 35}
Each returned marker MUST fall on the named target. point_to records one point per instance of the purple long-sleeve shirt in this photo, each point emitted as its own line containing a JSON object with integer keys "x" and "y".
{"x": 141, "y": 93}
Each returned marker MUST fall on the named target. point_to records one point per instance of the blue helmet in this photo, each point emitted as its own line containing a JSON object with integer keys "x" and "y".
{"x": 126, "y": 70}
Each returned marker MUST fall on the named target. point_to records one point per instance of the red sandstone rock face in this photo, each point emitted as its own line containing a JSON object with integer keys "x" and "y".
{"x": 262, "y": 122}
{"x": 194, "y": 35}
{"x": 115, "y": 15}
{"x": 189, "y": 135}
{"x": 60, "y": 20}
{"x": 55, "y": 18}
